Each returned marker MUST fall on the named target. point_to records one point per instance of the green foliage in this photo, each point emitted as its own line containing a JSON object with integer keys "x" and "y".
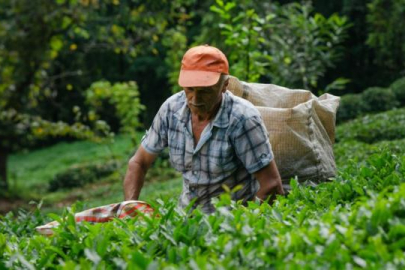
{"x": 303, "y": 45}
{"x": 30, "y": 174}
{"x": 338, "y": 84}
{"x": 125, "y": 99}
{"x": 371, "y": 100}
{"x": 379, "y": 99}
{"x": 47, "y": 66}
{"x": 364, "y": 64}
{"x": 398, "y": 87}
{"x": 351, "y": 151}
{"x": 22, "y": 223}
{"x": 25, "y": 81}
{"x": 176, "y": 40}
{"x": 286, "y": 44}
{"x": 373, "y": 128}
{"x": 354, "y": 221}
{"x": 242, "y": 30}
{"x": 386, "y": 33}
{"x": 351, "y": 106}
{"x": 29, "y": 128}
{"x": 33, "y": 170}
{"x": 80, "y": 175}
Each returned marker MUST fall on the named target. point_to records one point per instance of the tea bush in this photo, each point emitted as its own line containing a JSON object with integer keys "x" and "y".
{"x": 355, "y": 221}
{"x": 388, "y": 125}
{"x": 351, "y": 105}
{"x": 398, "y": 88}
{"x": 373, "y": 99}
{"x": 355, "y": 151}
{"x": 79, "y": 175}
{"x": 378, "y": 99}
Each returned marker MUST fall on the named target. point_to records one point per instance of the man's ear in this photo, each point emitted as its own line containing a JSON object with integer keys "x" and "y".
{"x": 226, "y": 83}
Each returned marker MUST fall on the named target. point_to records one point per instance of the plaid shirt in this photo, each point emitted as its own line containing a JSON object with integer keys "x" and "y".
{"x": 232, "y": 147}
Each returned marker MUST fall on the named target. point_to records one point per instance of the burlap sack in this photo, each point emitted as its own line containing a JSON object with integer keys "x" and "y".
{"x": 301, "y": 128}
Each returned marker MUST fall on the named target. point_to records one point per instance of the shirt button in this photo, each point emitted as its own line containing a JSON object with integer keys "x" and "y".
{"x": 194, "y": 172}
{"x": 192, "y": 188}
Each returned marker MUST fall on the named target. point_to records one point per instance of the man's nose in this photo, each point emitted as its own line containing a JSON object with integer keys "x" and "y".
{"x": 196, "y": 97}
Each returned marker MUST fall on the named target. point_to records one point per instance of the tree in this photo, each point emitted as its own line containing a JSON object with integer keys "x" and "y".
{"x": 386, "y": 35}
{"x": 289, "y": 44}
{"x": 31, "y": 38}
{"x": 51, "y": 51}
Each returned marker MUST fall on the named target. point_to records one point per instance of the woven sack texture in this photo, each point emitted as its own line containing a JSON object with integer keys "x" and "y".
{"x": 301, "y": 128}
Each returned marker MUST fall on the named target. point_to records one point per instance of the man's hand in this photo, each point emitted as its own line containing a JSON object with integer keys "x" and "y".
{"x": 270, "y": 182}
{"x": 138, "y": 165}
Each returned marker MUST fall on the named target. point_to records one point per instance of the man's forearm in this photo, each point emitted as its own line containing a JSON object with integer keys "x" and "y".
{"x": 133, "y": 181}
{"x": 270, "y": 182}
{"x": 138, "y": 165}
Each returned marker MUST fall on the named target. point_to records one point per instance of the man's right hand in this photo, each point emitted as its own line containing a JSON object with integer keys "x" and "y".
{"x": 138, "y": 165}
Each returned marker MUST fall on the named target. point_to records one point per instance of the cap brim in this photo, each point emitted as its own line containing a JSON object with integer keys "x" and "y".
{"x": 198, "y": 78}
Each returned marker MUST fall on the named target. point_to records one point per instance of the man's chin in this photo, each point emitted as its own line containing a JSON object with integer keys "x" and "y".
{"x": 197, "y": 109}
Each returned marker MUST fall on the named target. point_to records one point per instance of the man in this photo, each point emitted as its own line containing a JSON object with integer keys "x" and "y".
{"x": 214, "y": 138}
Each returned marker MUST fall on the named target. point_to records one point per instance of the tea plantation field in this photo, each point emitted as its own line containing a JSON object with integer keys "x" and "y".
{"x": 356, "y": 221}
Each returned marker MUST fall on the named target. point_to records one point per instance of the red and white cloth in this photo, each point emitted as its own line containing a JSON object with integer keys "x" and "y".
{"x": 102, "y": 214}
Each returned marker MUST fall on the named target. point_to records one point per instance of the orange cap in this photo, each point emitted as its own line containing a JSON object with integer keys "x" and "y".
{"x": 202, "y": 66}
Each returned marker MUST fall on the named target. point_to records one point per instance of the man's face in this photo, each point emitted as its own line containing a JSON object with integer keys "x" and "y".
{"x": 203, "y": 100}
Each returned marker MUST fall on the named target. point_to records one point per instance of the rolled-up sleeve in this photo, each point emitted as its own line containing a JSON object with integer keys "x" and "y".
{"x": 252, "y": 144}
{"x": 155, "y": 139}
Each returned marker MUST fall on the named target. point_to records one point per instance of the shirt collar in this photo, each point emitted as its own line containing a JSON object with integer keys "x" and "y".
{"x": 183, "y": 113}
